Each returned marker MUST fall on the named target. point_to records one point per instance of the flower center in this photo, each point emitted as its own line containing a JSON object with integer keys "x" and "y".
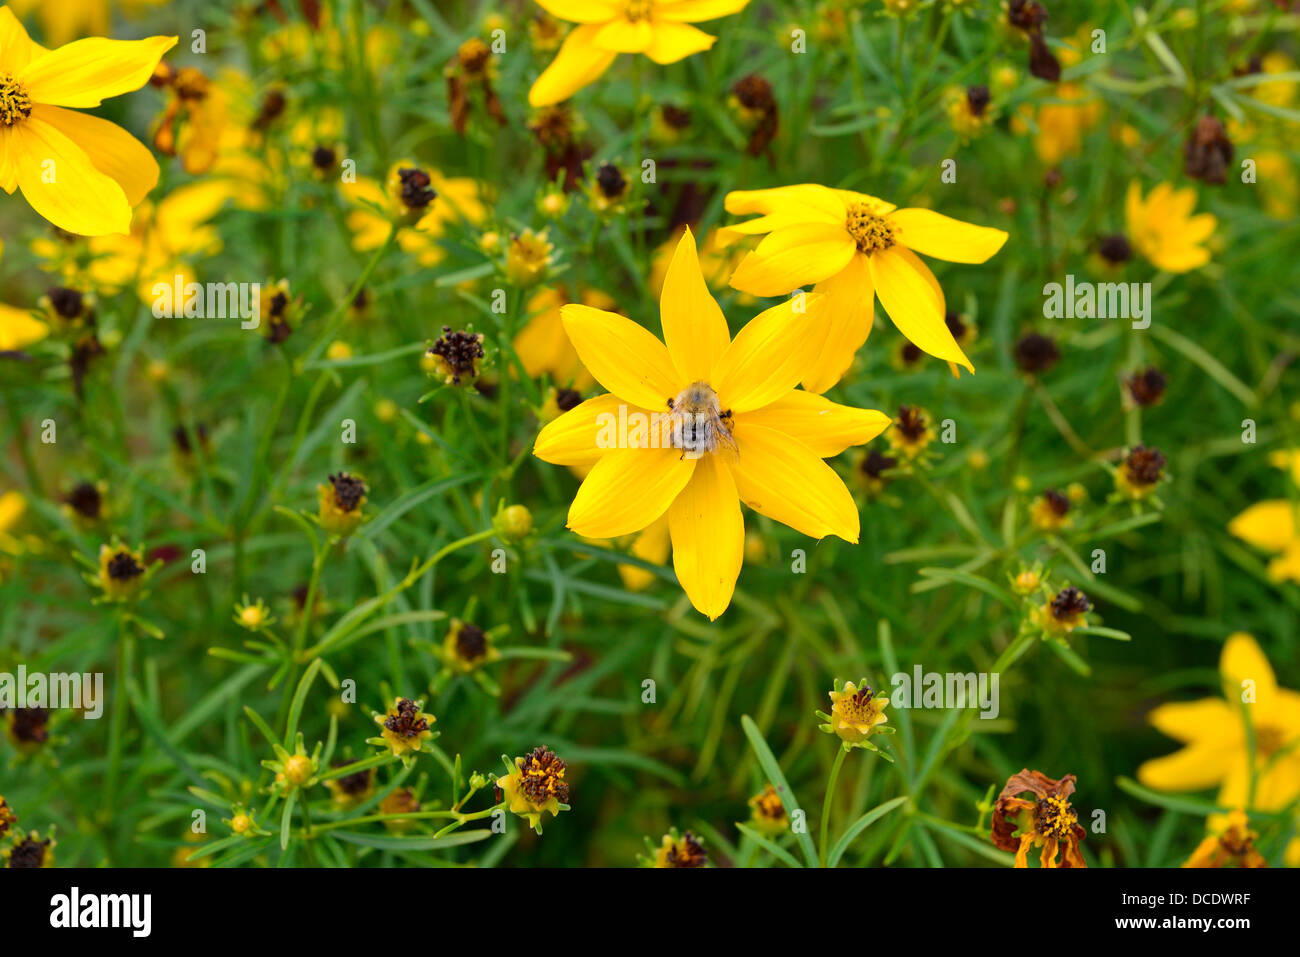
{"x": 857, "y": 707}
{"x": 1054, "y": 817}
{"x": 636, "y": 10}
{"x": 698, "y": 424}
{"x": 15, "y": 104}
{"x": 870, "y": 231}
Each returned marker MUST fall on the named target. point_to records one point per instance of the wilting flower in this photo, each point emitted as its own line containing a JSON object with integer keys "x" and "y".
{"x": 1252, "y": 732}
{"x": 405, "y": 728}
{"x": 1272, "y": 525}
{"x": 721, "y": 423}
{"x": 341, "y": 501}
{"x": 1146, "y": 388}
{"x": 467, "y": 647}
{"x": 194, "y": 120}
{"x": 1232, "y": 844}
{"x": 658, "y": 28}
{"x": 1163, "y": 229}
{"x": 471, "y": 67}
{"x": 1064, "y": 612}
{"x": 1141, "y": 471}
{"x": 535, "y": 786}
{"x": 349, "y": 790}
{"x": 677, "y": 850}
{"x": 1047, "y": 820}
{"x": 102, "y": 170}
{"x": 401, "y": 801}
{"x": 856, "y": 247}
{"x": 767, "y": 813}
{"x": 856, "y": 713}
{"x": 456, "y": 355}
{"x": 754, "y": 102}
{"x": 30, "y": 851}
{"x": 28, "y": 728}
{"x": 1050, "y": 511}
{"x": 1208, "y": 151}
{"x": 870, "y": 467}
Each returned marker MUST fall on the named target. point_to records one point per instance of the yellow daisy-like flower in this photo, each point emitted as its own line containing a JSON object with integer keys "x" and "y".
{"x": 19, "y": 328}
{"x": 467, "y": 647}
{"x": 536, "y": 785}
{"x": 1231, "y": 844}
{"x": 1272, "y": 526}
{"x": 855, "y": 712}
{"x": 542, "y": 345}
{"x": 660, "y": 29}
{"x": 767, "y": 813}
{"x": 341, "y": 502}
{"x": 122, "y": 572}
{"x": 1216, "y": 745}
{"x": 693, "y": 428}
{"x": 99, "y": 170}
{"x": 456, "y": 198}
{"x": 405, "y": 727}
{"x": 855, "y": 248}
{"x": 1163, "y": 230}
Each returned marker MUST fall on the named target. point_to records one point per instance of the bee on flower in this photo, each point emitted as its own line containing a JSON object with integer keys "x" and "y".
{"x": 1045, "y": 819}
{"x": 535, "y": 786}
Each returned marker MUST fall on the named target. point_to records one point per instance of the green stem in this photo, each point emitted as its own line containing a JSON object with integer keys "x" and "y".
{"x": 840, "y": 754}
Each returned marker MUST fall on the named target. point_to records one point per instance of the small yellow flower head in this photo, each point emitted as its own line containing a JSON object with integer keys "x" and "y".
{"x": 467, "y": 647}
{"x": 405, "y": 727}
{"x": 386, "y": 411}
{"x": 8, "y": 818}
{"x": 279, "y": 311}
{"x": 545, "y": 32}
{"x": 253, "y": 616}
{"x": 607, "y": 190}
{"x": 911, "y": 432}
{"x": 1164, "y": 230}
{"x": 1230, "y": 845}
{"x": 1050, "y": 511}
{"x": 535, "y": 786}
{"x": 755, "y": 548}
{"x": 528, "y": 258}
{"x": 241, "y": 821}
{"x": 683, "y": 851}
{"x": 293, "y": 771}
{"x": 298, "y": 769}
{"x": 1065, "y": 612}
{"x": 31, "y": 852}
{"x": 350, "y": 789}
{"x": 401, "y": 801}
{"x": 456, "y": 356}
{"x": 767, "y": 813}
{"x": 969, "y": 111}
{"x": 855, "y": 712}
{"x": 410, "y": 192}
{"x": 1027, "y": 581}
{"x": 157, "y": 371}
{"x": 513, "y": 523}
{"x": 1076, "y": 493}
{"x": 978, "y": 460}
{"x": 553, "y": 203}
{"x": 490, "y": 242}
{"x": 122, "y": 572}
{"x": 669, "y": 123}
{"x": 68, "y": 309}
{"x": 1021, "y": 483}
{"x": 326, "y": 160}
{"x": 900, "y": 8}
{"x": 341, "y": 502}
{"x": 493, "y": 22}
{"x": 1141, "y": 471}
{"x": 338, "y": 349}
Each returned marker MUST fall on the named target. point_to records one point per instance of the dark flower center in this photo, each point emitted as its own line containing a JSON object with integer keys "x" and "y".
{"x": 688, "y": 852}
{"x": 876, "y": 462}
{"x": 471, "y": 642}
{"x": 124, "y": 567}
{"x": 1036, "y": 353}
{"x": 1145, "y": 465}
{"x": 30, "y": 725}
{"x": 460, "y": 350}
{"x": 405, "y": 719}
{"x": 417, "y": 188}
{"x": 15, "y": 104}
{"x": 1115, "y": 249}
{"x": 28, "y": 853}
{"x": 66, "y": 302}
{"x": 85, "y": 500}
{"x": 541, "y": 777}
{"x": 911, "y": 422}
{"x": 348, "y": 491}
{"x": 1070, "y": 602}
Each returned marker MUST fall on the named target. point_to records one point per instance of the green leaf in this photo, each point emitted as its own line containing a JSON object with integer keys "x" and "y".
{"x": 774, "y": 776}
{"x": 860, "y": 825}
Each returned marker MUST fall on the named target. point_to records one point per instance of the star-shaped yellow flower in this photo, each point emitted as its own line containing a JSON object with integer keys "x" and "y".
{"x": 661, "y": 29}
{"x": 80, "y": 172}
{"x": 1163, "y": 230}
{"x": 1214, "y": 734}
{"x": 726, "y": 425}
{"x": 856, "y": 247}
{"x": 1274, "y": 525}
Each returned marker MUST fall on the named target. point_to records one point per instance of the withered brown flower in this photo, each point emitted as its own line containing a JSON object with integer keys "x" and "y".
{"x": 1047, "y": 820}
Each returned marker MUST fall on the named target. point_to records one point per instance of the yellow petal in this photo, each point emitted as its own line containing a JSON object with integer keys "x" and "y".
{"x": 933, "y": 234}
{"x": 627, "y": 490}
{"x": 914, "y": 303}
{"x": 694, "y": 327}
{"x": 851, "y": 304}
{"x": 582, "y": 11}
{"x": 1190, "y": 769}
{"x": 80, "y": 199}
{"x": 670, "y": 41}
{"x": 816, "y": 202}
{"x": 16, "y": 48}
{"x": 624, "y": 36}
{"x": 8, "y": 158}
{"x": 793, "y": 257}
{"x": 1207, "y": 719}
{"x": 115, "y": 152}
{"x": 19, "y": 329}
{"x": 783, "y": 479}
{"x": 87, "y": 72}
{"x": 573, "y": 438}
{"x": 624, "y": 357}
{"x": 768, "y": 357}
{"x": 695, "y": 11}
{"x": 825, "y": 427}
{"x": 708, "y": 536}
{"x": 1242, "y": 661}
{"x": 1270, "y": 525}
{"x": 578, "y": 64}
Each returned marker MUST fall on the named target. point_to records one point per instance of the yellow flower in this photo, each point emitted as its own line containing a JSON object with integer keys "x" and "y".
{"x": 1061, "y": 124}
{"x": 661, "y": 29}
{"x": 767, "y": 813}
{"x": 856, "y": 247}
{"x": 542, "y": 345}
{"x": 341, "y": 502}
{"x": 19, "y": 328}
{"x": 535, "y": 786}
{"x": 1233, "y": 842}
{"x": 121, "y": 572}
{"x": 1065, "y": 612}
{"x": 1140, "y": 473}
{"x": 855, "y": 712}
{"x": 456, "y": 199}
{"x": 405, "y": 727}
{"x": 31, "y": 851}
{"x": 528, "y": 257}
{"x": 100, "y": 170}
{"x": 467, "y": 647}
{"x": 513, "y": 522}
{"x": 713, "y": 422}
{"x": 12, "y": 507}
{"x": 1046, "y": 820}
{"x": 1217, "y": 746}
{"x": 1162, "y": 228}
{"x": 254, "y": 615}
{"x": 1272, "y": 526}
{"x": 676, "y": 850}
{"x": 1050, "y": 511}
